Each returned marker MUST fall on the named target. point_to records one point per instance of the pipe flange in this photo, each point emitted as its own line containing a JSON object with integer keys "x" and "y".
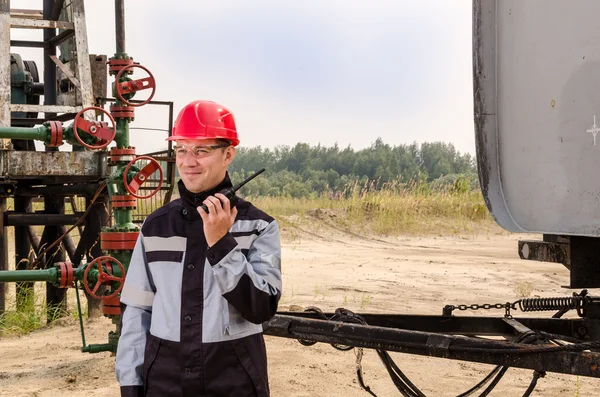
{"x": 124, "y": 201}
{"x": 67, "y": 274}
{"x": 111, "y": 306}
{"x": 115, "y": 65}
{"x": 56, "y": 133}
{"x": 118, "y": 241}
{"x": 122, "y": 154}
{"x": 122, "y": 112}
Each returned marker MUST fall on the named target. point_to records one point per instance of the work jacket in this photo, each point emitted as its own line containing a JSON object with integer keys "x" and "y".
{"x": 192, "y": 315}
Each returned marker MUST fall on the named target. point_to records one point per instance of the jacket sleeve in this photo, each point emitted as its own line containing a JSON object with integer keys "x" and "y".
{"x": 136, "y": 300}
{"x": 252, "y": 284}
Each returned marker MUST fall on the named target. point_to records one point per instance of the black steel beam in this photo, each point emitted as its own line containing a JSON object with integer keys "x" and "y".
{"x": 585, "y": 262}
{"x": 56, "y": 298}
{"x": 51, "y": 10}
{"x": 34, "y": 240}
{"x": 23, "y": 256}
{"x": 87, "y": 189}
{"x": 62, "y": 37}
{"x": 470, "y": 325}
{"x": 16, "y": 219}
{"x": 56, "y": 9}
{"x": 28, "y": 44}
{"x": 89, "y": 244}
{"x": 67, "y": 242}
{"x": 518, "y": 328}
{"x": 436, "y": 345}
{"x": 544, "y": 251}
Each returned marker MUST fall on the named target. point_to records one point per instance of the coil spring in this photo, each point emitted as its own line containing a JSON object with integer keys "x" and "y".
{"x": 547, "y": 304}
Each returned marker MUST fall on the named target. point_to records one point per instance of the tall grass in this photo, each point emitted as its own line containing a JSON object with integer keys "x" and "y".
{"x": 394, "y": 209}
{"x": 34, "y": 312}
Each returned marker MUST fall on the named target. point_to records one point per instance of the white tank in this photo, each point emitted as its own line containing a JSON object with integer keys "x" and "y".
{"x": 536, "y": 70}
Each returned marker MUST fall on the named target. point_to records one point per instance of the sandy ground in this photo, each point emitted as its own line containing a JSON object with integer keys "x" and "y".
{"x": 331, "y": 269}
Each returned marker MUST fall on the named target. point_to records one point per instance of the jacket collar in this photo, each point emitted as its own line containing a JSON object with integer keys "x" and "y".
{"x": 191, "y": 201}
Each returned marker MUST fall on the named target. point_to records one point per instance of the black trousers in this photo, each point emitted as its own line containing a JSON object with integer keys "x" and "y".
{"x": 235, "y": 368}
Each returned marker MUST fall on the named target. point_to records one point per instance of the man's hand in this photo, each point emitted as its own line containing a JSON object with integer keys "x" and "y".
{"x": 219, "y": 219}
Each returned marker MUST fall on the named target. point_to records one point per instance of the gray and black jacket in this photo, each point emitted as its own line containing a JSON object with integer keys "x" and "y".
{"x": 192, "y": 315}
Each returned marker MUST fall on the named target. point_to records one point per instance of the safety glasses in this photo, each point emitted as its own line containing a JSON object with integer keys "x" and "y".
{"x": 198, "y": 152}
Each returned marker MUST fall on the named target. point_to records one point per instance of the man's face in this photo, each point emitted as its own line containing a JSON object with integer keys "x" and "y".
{"x": 205, "y": 171}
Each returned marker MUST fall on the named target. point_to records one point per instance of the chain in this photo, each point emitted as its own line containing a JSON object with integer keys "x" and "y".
{"x": 508, "y": 306}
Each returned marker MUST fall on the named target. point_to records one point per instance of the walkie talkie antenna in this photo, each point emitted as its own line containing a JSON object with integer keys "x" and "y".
{"x": 237, "y": 187}
{"x": 230, "y": 193}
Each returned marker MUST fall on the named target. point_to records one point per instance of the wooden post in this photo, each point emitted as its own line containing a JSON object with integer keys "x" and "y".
{"x": 4, "y": 122}
{"x": 83, "y": 55}
{"x": 4, "y": 68}
{"x": 3, "y": 251}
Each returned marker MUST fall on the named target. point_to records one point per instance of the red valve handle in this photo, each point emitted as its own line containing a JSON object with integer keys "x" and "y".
{"x": 142, "y": 176}
{"x": 105, "y": 276}
{"x": 97, "y": 129}
{"x": 129, "y": 87}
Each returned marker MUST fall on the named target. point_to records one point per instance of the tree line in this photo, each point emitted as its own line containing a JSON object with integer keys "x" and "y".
{"x": 308, "y": 171}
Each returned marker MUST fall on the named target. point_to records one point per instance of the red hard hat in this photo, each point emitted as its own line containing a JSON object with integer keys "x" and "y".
{"x": 205, "y": 120}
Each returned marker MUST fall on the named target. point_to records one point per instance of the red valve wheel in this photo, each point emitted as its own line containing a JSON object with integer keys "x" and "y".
{"x": 132, "y": 86}
{"x": 97, "y": 129}
{"x": 142, "y": 176}
{"x": 105, "y": 276}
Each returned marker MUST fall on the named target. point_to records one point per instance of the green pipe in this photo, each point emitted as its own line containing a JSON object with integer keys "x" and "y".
{"x": 122, "y": 136}
{"x": 124, "y": 219}
{"x": 39, "y": 134}
{"x": 99, "y": 348}
{"x": 80, "y": 315}
{"x": 13, "y": 276}
{"x": 124, "y": 257}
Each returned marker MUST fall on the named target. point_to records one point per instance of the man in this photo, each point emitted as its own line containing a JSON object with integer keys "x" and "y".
{"x": 200, "y": 284}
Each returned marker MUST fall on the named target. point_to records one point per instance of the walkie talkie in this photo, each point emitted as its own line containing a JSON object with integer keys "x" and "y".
{"x": 230, "y": 192}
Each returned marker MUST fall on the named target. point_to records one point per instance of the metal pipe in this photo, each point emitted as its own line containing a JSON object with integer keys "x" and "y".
{"x": 124, "y": 217}
{"x": 120, "y": 26}
{"x": 38, "y": 133}
{"x": 170, "y": 166}
{"x": 122, "y": 136}
{"x": 13, "y": 276}
{"x": 434, "y": 344}
{"x": 80, "y": 316}
{"x": 99, "y": 348}
{"x": 16, "y": 219}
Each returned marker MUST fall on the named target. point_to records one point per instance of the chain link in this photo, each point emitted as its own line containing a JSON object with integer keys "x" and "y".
{"x": 508, "y": 306}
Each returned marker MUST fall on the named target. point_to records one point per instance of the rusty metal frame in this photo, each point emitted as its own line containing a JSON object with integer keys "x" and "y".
{"x": 66, "y": 71}
{"x": 439, "y": 336}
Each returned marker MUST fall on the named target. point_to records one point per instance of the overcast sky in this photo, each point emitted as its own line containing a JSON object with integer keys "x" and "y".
{"x": 315, "y": 71}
